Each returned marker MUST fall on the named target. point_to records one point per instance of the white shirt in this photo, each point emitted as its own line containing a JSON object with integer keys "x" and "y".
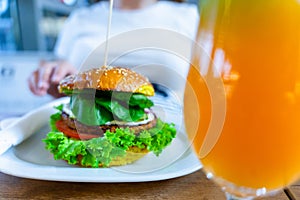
{"x": 85, "y": 30}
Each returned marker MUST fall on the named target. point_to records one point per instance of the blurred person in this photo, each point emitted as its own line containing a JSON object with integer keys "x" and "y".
{"x": 86, "y": 27}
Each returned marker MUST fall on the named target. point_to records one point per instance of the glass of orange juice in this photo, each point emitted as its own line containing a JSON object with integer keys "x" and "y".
{"x": 242, "y": 97}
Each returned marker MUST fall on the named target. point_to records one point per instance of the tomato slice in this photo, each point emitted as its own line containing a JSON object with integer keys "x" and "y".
{"x": 62, "y": 127}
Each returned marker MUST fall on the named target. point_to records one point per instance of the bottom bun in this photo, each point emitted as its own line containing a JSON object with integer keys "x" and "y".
{"x": 132, "y": 154}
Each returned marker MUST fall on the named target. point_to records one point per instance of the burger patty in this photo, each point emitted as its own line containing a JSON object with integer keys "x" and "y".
{"x": 100, "y": 130}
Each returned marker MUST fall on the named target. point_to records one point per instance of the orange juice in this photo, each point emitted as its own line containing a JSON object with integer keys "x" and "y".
{"x": 253, "y": 47}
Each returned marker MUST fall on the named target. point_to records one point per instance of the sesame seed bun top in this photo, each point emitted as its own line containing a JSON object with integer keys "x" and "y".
{"x": 108, "y": 79}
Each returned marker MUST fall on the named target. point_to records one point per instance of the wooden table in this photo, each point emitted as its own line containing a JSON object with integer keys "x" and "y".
{"x": 190, "y": 187}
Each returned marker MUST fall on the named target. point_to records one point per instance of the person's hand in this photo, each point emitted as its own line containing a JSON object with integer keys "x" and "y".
{"x": 46, "y": 78}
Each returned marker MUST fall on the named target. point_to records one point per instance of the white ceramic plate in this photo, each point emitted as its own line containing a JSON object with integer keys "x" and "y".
{"x": 30, "y": 159}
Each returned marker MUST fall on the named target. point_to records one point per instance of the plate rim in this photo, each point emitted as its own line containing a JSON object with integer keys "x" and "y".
{"x": 58, "y": 173}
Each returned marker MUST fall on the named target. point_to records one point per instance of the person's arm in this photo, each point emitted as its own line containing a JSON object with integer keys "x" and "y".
{"x": 45, "y": 79}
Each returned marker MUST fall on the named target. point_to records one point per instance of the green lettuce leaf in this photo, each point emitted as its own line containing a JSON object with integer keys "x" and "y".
{"x": 63, "y": 147}
{"x": 100, "y": 151}
{"x": 87, "y": 111}
{"x": 92, "y": 109}
{"x": 133, "y": 99}
{"x": 140, "y": 100}
{"x": 162, "y": 135}
{"x": 53, "y": 119}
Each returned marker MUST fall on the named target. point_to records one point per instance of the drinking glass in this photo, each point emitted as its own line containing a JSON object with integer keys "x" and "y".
{"x": 242, "y": 97}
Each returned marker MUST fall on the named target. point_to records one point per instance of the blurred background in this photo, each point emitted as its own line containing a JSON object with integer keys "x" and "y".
{"x": 28, "y": 32}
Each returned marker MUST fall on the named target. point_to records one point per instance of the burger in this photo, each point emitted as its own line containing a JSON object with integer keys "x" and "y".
{"x": 108, "y": 120}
